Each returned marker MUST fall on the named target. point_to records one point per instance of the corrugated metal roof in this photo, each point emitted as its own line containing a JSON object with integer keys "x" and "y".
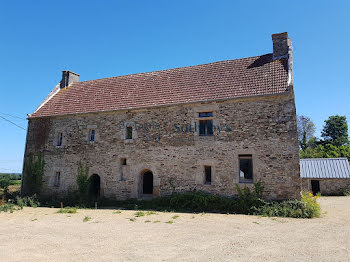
{"x": 324, "y": 168}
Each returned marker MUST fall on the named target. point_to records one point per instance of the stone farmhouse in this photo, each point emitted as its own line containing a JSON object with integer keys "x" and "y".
{"x": 198, "y": 128}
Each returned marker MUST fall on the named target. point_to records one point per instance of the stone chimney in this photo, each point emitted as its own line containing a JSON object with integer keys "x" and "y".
{"x": 282, "y": 48}
{"x": 68, "y": 78}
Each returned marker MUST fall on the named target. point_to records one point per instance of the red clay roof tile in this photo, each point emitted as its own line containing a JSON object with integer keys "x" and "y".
{"x": 245, "y": 77}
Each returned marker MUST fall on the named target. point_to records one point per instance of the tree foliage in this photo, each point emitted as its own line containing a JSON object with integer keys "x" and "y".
{"x": 306, "y": 131}
{"x": 335, "y": 131}
{"x": 33, "y": 170}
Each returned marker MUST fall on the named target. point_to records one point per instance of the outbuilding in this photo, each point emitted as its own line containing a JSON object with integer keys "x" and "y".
{"x": 329, "y": 176}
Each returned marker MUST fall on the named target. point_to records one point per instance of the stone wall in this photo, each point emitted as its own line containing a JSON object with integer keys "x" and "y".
{"x": 166, "y": 142}
{"x": 328, "y": 186}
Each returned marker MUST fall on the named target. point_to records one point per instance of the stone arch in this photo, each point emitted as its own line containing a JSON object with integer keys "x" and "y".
{"x": 147, "y": 182}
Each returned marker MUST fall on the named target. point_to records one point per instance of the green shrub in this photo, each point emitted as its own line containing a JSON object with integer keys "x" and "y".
{"x": 83, "y": 181}
{"x": 86, "y": 219}
{"x": 27, "y": 201}
{"x": 33, "y": 174}
{"x": 346, "y": 192}
{"x": 69, "y": 210}
{"x": 8, "y": 207}
{"x": 306, "y": 208}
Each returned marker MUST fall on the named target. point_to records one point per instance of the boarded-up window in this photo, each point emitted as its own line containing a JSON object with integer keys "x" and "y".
{"x": 207, "y": 173}
{"x": 245, "y": 169}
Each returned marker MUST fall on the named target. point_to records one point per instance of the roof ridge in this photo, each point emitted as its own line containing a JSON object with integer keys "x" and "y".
{"x": 172, "y": 69}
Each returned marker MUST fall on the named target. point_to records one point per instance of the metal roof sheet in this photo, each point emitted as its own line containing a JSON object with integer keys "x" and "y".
{"x": 324, "y": 168}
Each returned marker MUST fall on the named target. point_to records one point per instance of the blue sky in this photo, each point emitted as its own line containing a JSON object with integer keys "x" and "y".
{"x": 103, "y": 38}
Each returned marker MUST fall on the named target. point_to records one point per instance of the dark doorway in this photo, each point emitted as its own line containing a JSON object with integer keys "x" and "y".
{"x": 147, "y": 183}
{"x": 315, "y": 186}
{"x": 95, "y": 184}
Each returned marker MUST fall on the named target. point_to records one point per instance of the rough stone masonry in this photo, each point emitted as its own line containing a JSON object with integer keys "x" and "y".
{"x": 205, "y": 127}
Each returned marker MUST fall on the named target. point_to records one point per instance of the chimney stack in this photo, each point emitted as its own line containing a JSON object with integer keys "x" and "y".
{"x": 68, "y": 78}
{"x": 282, "y": 48}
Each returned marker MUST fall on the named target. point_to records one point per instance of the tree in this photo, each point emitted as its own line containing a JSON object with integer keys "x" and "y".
{"x": 306, "y": 131}
{"x": 335, "y": 131}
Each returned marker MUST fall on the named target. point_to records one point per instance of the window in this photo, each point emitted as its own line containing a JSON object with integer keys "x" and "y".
{"x": 57, "y": 179}
{"x": 245, "y": 169}
{"x": 123, "y": 161}
{"x": 128, "y": 132}
{"x": 92, "y": 135}
{"x": 207, "y": 172}
{"x": 59, "y": 139}
{"x": 206, "y": 124}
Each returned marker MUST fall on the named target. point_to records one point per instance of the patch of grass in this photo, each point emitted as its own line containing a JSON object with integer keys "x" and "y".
{"x": 169, "y": 222}
{"x": 148, "y": 221}
{"x": 132, "y": 219}
{"x": 70, "y": 210}
{"x": 35, "y": 219}
{"x": 8, "y": 207}
{"x": 256, "y": 222}
{"x": 139, "y": 214}
{"x": 157, "y": 221}
{"x": 86, "y": 219}
{"x": 117, "y": 212}
{"x": 148, "y": 213}
{"x": 175, "y": 217}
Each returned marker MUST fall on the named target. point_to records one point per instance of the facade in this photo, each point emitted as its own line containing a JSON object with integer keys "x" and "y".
{"x": 328, "y": 176}
{"x": 205, "y": 127}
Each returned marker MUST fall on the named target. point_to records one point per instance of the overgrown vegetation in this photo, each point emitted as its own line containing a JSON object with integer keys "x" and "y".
{"x": 18, "y": 203}
{"x": 83, "y": 182}
{"x": 33, "y": 170}
{"x": 67, "y": 210}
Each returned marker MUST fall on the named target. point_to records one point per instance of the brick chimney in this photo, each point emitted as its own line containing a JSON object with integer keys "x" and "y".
{"x": 68, "y": 78}
{"x": 282, "y": 48}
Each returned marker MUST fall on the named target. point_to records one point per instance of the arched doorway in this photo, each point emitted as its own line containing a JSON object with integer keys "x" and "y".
{"x": 147, "y": 183}
{"x": 95, "y": 186}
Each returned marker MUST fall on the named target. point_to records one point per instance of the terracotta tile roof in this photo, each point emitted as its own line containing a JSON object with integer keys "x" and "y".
{"x": 245, "y": 77}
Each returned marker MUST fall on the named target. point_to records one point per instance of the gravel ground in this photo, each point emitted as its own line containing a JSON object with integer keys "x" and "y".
{"x": 41, "y": 234}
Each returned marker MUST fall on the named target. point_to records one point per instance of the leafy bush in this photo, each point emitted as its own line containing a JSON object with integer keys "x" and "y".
{"x": 306, "y": 208}
{"x": 33, "y": 170}
{"x": 27, "y": 201}
{"x": 8, "y": 207}
{"x": 69, "y": 210}
{"x": 346, "y": 192}
{"x": 83, "y": 181}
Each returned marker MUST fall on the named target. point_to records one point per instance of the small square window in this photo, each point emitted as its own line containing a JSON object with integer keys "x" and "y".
{"x": 57, "y": 179}
{"x": 207, "y": 173}
{"x": 123, "y": 161}
{"x": 128, "y": 132}
{"x": 245, "y": 169}
{"x": 59, "y": 139}
{"x": 92, "y": 133}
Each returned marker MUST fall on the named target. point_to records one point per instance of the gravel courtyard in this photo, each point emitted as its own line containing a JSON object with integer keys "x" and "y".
{"x": 41, "y": 234}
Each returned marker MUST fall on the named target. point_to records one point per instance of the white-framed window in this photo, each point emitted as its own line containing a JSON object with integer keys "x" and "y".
{"x": 57, "y": 180}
